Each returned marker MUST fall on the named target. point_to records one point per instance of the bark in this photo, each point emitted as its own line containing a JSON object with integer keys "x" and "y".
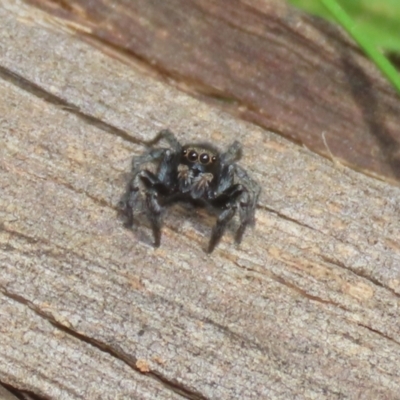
{"x": 261, "y": 60}
{"x": 307, "y": 306}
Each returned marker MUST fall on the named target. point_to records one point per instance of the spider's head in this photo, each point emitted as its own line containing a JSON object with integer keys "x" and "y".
{"x": 200, "y": 158}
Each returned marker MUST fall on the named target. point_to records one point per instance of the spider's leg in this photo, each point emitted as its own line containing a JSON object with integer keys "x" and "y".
{"x": 246, "y": 215}
{"x": 155, "y": 191}
{"x": 252, "y": 187}
{"x": 168, "y": 136}
{"x": 152, "y": 155}
{"x": 157, "y": 153}
{"x": 226, "y": 179}
{"x": 157, "y": 187}
{"x": 233, "y": 154}
{"x": 247, "y": 202}
{"x": 169, "y": 157}
{"x": 129, "y": 200}
{"x": 127, "y": 205}
{"x": 167, "y": 170}
{"x": 219, "y": 227}
{"x": 228, "y": 197}
{"x": 227, "y": 202}
{"x": 154, "y": 213}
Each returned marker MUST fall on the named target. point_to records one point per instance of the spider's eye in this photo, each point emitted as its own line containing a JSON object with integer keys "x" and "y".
{"x": 204, "y": 158}
{"x": 213, "y": 159}
{"x": 184, "y": 151}
{"x": 193, "y": 156}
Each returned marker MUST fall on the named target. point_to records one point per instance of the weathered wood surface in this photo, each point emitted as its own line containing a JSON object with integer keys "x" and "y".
{"x": 6, "y": 395}
{"x": 262, "y": 60}
{"x": 307, "y": 307}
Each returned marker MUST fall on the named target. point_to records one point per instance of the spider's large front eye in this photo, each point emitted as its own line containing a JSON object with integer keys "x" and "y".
{"x": 204, "y": 158}
{"x": 193, "y": 156}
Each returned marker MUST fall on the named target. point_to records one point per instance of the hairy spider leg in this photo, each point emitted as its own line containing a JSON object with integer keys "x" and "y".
{"x": 158, "y": 188}
{"x": 247, "y": 202}
{"x": 223, "y": 199}
{"x": 153, "y": 208}
{"x": 242, "y": 197}
{"x": 234, "y": 153}
{"x": 154, "y": 213}
{"x": 252, "y": 186}
{"x": 219, "y": 228}
{"x": 128, "y": 202}
{"x": 156, "y": 154}
{"x": 168, "y": 136}
{"x": 155, "y": 185}
{"x": 227, "y": 201}
{"x": 246, "y": 216}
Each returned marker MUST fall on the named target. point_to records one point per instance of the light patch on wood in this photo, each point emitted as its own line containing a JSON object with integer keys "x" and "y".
{"x": 359, "y": 290}
{"x": 159, "y": 360}
{"x": 76, "y": 154}
{"x": 392, "y": 244}
{"x": 316, "y": 270}
{"x": 276, "y": 146}
{"x": 394, "y": 284}
{"x": 143, "y": 366}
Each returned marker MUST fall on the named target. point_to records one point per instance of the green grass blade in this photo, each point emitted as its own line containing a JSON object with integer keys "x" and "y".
{"x": 380, "y": 60}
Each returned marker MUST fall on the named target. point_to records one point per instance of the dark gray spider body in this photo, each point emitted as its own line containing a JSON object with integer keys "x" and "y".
{"x": 194, "y": 173}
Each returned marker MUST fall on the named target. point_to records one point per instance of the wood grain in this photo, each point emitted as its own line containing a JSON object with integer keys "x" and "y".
{"x": 6, "y": 395}
{"x": 306, "y": 307}
{"x": 261, "y": 60}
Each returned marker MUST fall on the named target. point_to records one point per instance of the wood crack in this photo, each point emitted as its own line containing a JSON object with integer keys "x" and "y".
{"x": 294, "y": 287}
{"x": 187, "y": 325}
{"x": 129, "y": 360}
{"x": 360, "y": 274}
{"x": 187, "y": 84}
{"x": 20, "y": 394}
{"x": 286, "y": 218}
{"x": 379, "y": 333}
{"x": 42, "y": 94}
{"x": 330, "y": 260}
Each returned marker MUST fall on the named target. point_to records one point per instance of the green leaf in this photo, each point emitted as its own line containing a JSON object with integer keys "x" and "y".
{"x": 364, "y": 36}
{"x": 378, "y": 19}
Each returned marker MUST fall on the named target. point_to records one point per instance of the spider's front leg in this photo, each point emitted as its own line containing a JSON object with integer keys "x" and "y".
{"x": 247, "y": 202}
{"x": 246, "y": 215}
{"x": 219, "y": 228}
{"x": 168, "y": 136}
{"x": 153, "y": 207}
{"x": 156, "y": 190}
{"x": 155, "y": 185}
{"x": 227, "y": 203}
{"x": 128, "y": 202}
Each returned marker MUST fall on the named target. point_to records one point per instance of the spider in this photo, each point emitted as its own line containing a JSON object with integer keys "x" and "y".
{"x": 196, "y": 173}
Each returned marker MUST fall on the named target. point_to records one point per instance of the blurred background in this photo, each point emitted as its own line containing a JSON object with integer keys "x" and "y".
{"x": 379, "y": 19}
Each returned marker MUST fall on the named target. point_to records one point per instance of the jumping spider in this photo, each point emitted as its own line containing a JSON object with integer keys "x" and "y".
{"x": 195, "y": 173}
